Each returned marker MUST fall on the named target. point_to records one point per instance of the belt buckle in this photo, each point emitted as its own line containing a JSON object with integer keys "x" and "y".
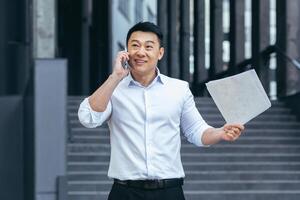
{"x": 153, "y": 184}
{"x": 150, "y": 185}
{"x": 160, "y": 183}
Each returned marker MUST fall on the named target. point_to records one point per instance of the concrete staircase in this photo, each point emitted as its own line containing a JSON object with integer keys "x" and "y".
{"x": 264, "y": 164}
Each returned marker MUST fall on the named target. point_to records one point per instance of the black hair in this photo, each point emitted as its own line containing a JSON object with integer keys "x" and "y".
{"x": 146, "y": 27}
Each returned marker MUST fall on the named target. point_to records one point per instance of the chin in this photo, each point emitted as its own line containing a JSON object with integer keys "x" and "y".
{"x": 139, "y": 67}
{"x": 140, "y": 70}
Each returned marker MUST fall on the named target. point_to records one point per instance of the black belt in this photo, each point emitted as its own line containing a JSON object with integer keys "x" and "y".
{"x": 151, "y": 184}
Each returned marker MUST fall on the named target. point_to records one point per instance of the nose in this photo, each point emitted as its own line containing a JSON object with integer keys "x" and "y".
{"x": 141, "y": 51}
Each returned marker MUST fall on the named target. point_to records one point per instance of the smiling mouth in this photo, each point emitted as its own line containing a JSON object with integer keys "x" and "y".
{"x": 140, "y": 62}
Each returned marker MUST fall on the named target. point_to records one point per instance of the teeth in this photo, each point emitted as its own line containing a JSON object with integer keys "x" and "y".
{"x": 140, "y": 62}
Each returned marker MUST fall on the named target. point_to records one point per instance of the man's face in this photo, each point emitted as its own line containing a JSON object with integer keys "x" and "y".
{"x": 144, "y": 52}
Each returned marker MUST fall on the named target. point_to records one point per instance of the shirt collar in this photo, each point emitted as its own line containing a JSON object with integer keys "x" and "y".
{"x": 159, "y": 78}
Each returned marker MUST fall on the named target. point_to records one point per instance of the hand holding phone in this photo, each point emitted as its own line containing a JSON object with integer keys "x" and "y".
{"x": 125, "y": 63}
{"x": 121, "y": 67}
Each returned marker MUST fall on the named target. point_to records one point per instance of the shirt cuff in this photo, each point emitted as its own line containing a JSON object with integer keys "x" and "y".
{"x": 91, "y": 118}
{"x": 197, "y": 138}
{"x": 96, "y": 116}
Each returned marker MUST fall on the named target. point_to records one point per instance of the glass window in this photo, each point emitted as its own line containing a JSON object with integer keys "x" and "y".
{"x": 151, "y": 16}
{"x": 124, "y": 8}
{"x": 138, "y": 10}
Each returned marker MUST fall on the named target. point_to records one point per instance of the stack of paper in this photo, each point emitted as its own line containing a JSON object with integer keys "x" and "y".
{"x": 239, "y": 98}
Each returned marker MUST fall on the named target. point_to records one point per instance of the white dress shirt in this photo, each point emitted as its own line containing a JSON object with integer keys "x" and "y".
{"x": 145, "y": 125}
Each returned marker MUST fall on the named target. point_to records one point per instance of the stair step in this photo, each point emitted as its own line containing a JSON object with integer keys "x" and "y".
{"x": 247, "y": 166}
{"x": 252, "y": 124}
{"x": 242, "y": 157}
{"x": 104, "y": 135}
{"x": 209, "y": 186}
{"x": 88, "y": 195}
{"x": 196, "y": 155}
{"x": 189, "y": 145}
{"x": 263, "y": 164}
{"x": 198, "y": 100}
{"x": 203, "y": 175}
{"x": 238, "y": 195}
{"x": 214, "y": 195}
{"x": 211, "y": 110}
{"x": 245, "y": 136}
{"x": 218, "y": 117}
{"x": 105, "y": 132}
{"x": 241, "y": 140}
{"x": 193, "y": 149}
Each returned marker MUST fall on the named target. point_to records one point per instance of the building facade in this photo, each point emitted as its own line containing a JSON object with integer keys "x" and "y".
{"x": 50, "y": 50}
{"x": 125, "y": 14}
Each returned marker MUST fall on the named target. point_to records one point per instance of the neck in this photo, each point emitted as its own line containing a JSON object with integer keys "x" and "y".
{"x": 144, "y": 80}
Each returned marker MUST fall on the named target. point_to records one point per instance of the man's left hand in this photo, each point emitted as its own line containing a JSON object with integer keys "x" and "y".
{"x": 231, "y": 132}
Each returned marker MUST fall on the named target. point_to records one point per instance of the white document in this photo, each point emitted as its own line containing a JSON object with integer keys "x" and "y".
{"x": 239, "y": 98}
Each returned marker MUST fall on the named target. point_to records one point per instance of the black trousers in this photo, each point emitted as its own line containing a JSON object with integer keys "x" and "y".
{"x": 123, "y": 192}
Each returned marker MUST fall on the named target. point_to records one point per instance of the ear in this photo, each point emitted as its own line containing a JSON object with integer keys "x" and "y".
{"x": 161, "y": 53}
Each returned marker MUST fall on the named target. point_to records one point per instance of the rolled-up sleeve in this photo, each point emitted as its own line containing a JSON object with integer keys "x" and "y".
{"x": 90, "y": 118}
{"x": 192, "y": 123}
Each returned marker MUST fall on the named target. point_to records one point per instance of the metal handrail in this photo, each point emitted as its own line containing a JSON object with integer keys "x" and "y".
{"x": 295, "y": 62}
{"x": 247, "y": 64}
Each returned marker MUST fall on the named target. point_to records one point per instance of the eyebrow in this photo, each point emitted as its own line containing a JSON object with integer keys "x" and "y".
{"x": 145, "y": 42}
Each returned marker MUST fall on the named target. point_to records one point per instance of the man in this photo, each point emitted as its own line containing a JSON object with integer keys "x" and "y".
{"x": 146, "y": 111}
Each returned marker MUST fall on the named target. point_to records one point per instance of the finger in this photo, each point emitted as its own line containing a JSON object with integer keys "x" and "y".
{"x": 124, "y": 58}
{"x": 236, "y": 135}
{"x": 126, "y": 54}
{"x": 122, "y": 54}
{"x": 230, "y": 136}
{"x": 236, "y": 131}
{"x": 226, "y": 127}
{"x": 239, "y": 126}
{"x": 229, "y": 132}
{"x": 230, "y": 128}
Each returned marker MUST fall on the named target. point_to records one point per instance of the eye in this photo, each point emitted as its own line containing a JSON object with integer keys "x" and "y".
{"x": 149, "y": 47}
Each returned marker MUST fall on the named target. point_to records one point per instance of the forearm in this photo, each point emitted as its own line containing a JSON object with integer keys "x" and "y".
{"x": 228, "y": 132}
{"x": 100, "y": 98}
{"x": 211, "y": 136}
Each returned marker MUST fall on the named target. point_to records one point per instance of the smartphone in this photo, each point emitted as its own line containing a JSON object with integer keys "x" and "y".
{"x": 125, "y": 63}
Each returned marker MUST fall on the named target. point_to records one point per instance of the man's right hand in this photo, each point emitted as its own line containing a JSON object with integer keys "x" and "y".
{"x": 100, "y": 98}
{"x": 119, "y": 71}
